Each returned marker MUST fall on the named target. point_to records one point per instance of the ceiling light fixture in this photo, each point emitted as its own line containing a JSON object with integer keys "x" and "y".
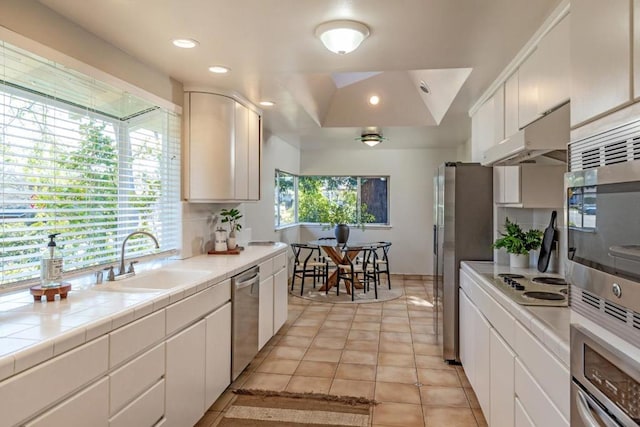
{"x": 371, "y": 136}
{"x": 185, "y": 43}
{"x": 219, "y": 69}
{"x": 423, "y": 87}
{"x": 374, "y": 100}
{"x": 342, "y": 36}
{"x": 267, "y": 103}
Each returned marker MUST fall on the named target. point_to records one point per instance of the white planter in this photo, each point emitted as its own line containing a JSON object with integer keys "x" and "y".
{"x": 519, "y": 261}
{"x": 231, "y": 243}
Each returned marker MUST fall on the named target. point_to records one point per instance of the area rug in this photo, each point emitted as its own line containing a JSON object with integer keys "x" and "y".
{"x": 261, "y": 408}
{"x": 384, "y": 294}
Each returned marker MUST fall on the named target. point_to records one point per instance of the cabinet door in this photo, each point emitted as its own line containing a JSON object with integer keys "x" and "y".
{"x": 210, "y": 147}
{"x": 498, "y": 115}
{"x": 90, "y": 407}
{"x": 522, "y": 418}
{"x": 554, "y": 82}
{"x": 482, "y": 355}
{"x": 218, "y": 353}
{"x": 502, "y": 389}
{"x": 185, "y": 376}
{"x": 482, "y": 130}
{"x": 511, "y": 184}
{"x": 241, "y": 150}
{"x": 466, "y": 337}
{"x": 511, "y": 105}
{"x": 600, "y": 57}
{"x": 265, "y": 313}
{"x": 255, "y": 154}
{"x": 280, "y": 299}
{"x": 528, "y": 82}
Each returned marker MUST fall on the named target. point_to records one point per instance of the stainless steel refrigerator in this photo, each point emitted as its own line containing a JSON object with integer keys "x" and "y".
{"x": 463, "y": 230}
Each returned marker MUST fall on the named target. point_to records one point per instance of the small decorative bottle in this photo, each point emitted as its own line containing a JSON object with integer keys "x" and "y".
{"x": 51, "y": 265}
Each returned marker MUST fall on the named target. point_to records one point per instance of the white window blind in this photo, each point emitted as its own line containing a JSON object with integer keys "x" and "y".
{"x": 92, "y": 176}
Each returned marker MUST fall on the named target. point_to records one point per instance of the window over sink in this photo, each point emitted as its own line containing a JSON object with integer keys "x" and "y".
{"x": 84, "y": 159}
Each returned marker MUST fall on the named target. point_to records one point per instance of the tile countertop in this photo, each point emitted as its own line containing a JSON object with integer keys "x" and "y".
{"x": 549, "y": 324}
{"x": 32, "y": 332}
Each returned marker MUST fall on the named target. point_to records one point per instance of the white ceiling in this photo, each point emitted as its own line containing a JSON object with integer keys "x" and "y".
{"x": 273, "y": 53}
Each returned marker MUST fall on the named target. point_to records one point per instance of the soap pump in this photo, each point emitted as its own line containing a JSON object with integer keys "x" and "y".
{"x": 51, "y": 265}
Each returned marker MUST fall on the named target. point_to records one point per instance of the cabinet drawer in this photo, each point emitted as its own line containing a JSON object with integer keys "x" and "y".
{"x": 196, "y": 306}
{"x": 129, "y": 340}
{"x": 266, "y": 269}
{"x": 87, "y": 408}
{"x": 136, "y": 376}
{"x": 52, "y": 380}
{"x": 145, "y": 411}
{"x": 279, "y": 262}
{"x": 548, "y": 371}
{"x": 535, "y": 401}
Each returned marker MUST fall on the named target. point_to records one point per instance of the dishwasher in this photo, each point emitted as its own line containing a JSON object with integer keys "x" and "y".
{"x": 245, "y": 303}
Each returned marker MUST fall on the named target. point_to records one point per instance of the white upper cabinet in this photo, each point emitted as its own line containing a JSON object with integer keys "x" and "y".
{"x": 222, "y": 149}
{"x": 511, "y": 105}
{"x": 487, "y": 125}
{"x": 543, "y": 78}
{"x": 600, "y": 57}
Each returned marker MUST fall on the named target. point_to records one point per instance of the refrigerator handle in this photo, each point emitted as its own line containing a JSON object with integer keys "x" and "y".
{"x": 435, "y": 239}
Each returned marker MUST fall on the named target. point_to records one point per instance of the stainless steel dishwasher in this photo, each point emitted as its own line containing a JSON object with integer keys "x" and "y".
{"x": 245, "y": 303}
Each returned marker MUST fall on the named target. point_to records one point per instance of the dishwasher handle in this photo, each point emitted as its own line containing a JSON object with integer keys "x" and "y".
{"x": 248, "y": 282}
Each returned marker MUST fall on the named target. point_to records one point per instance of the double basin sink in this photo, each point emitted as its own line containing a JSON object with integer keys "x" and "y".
{"x": 154, "y": 281}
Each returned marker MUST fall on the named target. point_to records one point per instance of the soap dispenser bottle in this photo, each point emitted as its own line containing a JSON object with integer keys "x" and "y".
{"x": 51, "y": 265}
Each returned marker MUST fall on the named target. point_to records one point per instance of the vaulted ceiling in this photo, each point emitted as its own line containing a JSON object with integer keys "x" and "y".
{"x": 457, "y": 47}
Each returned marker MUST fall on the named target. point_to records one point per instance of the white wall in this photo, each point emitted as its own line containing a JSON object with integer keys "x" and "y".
{"x": 411, "y": 198}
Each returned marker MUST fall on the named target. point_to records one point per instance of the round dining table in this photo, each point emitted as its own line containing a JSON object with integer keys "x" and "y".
{"x": 339, "y": 253}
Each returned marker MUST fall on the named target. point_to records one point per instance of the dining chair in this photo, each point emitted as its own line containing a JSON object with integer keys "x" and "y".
{"x": 381, "y": 262}
{"x": 308, "y": 263}
{"x": 351, "y": 269}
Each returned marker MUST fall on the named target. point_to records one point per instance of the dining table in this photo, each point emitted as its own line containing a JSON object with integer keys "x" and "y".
{"x": 340, "y": 254}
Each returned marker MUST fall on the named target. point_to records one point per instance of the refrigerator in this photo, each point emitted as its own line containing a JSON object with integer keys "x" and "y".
{"x": 463, "y": 230}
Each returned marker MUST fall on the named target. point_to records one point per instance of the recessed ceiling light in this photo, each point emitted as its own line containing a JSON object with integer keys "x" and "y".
{"x": 423, "y": 87}
{"x": 342, "y": 36}
{"x": 219, "y": 69}
{"x": 185, "y": 43}
{"x": 374, "y": 100}
{"x": 267, "y": 103}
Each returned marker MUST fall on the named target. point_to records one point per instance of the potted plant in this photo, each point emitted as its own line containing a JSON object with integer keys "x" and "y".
{"x": 340, "y": 216}
{"x": 518, "y": 243}
{"x": 231, "y": 216}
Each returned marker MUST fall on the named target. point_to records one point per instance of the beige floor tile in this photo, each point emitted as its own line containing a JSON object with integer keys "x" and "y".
{"x": 370, "y": 318}
{"x": 337, "y": 324}
{"x": 395, "y": 374}
{"x": 399, "y": 414}
{"x": 420, "y": 314}
{"x": 323, "y": 355}
{"x": 284, "y": 352}
{"x": 273, "y": 365}
{"x": 444, "y": 396}
{"x": 432, "y": 362}
{"x": 318, "y": 308}
{"x": 427, "y": 349}
{"x": 361, "y": 345}
{"x": 424, "y": 338}
{"x": 329, "y": 343}
{"x": 333, "y": 333}
{"x": 313, "y": 322}
{"x": 480, "y": 419}
{"x": 351, "y": 371}
{"x": 397, "y": 392}
{"x": 316, "y": 369}
{"x": 439, "y": 377}
{"x": 472, "y": 398}
{"x": 274, "y": 382}
{"x": 341, "y": 387}
{"x": 395, "y": 320}
{"x": 337, "y": 317}
{"x": 364, "y": 335}
{"x": 397, "y": 337}
{"x": 366, "y": 326}
{"x": 301, "y": 384}
{"x": 395, "y": 347}
{"x": 395, "y": 327}
{"x": 369, "y": 309}
{"x": 396, "y": 359}
{"x": 450, "y": 417}
{"x": 359, "y": 357}
{"x": 302, "y": 331}
{"x": 295, "y": 341}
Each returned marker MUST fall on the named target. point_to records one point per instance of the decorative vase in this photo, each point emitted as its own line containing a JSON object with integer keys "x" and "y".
{"x": 342, "y": 233}
{"x": 231, "y": 241}
{"x": 220, "y": 244}
{"x": 518, "y": 260}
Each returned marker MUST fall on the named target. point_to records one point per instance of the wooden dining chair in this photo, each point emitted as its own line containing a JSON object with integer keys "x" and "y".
{"x": 308, "y": 263}
{"x": 381, "y": 262}
{"x": 351, "y": 270}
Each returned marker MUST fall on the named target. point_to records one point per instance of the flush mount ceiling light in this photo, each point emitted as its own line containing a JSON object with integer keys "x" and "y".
{"x": 374, "y": 100}
{"x": 342, "y": 36}
{"x": 219, "y": 69}
{"x": 371, "y": 136}
{"x": 185, "y": 43}
{"x": 267, "y": 103}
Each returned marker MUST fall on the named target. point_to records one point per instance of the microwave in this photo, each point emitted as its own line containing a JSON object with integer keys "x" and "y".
{"x": 602, "y": 213}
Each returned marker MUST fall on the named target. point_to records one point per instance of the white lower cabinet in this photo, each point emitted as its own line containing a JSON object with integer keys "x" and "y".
{"x": 535, "y": 401}
{"x": 280, "y": 299}
{"x": 185, "y": 376}
{"x": 502, "y": 382}
{"x": 145, "y": 411}
{"x": 466, "y": 337}
{"x": 218, "y": 353}
{"x": 90, "y": 407}
{"x": 265, "y": 313}
{"x": 274, "y": 295}
{"x": 522, "y": 418}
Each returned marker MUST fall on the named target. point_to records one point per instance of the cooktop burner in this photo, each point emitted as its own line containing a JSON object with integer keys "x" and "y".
{"x": 550, "y": 296}
{"x": 511, "y": 276}
{"x": 550, "y": 280}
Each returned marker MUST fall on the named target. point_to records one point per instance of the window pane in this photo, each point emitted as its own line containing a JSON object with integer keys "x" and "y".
{"x": 285, "y": 194}
{"x": 373, "y": 199}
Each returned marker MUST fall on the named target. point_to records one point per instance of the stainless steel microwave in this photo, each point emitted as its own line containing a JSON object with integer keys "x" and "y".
{"x": 603, "y": 231}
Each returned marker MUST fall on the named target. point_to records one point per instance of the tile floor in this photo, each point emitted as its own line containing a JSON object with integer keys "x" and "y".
{"x": 383, "y": 351}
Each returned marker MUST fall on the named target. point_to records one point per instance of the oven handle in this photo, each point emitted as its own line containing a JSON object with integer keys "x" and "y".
{"x": 587, "y": 407}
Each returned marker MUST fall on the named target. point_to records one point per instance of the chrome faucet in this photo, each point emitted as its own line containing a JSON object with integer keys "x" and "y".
{"x": 131, "y": 272}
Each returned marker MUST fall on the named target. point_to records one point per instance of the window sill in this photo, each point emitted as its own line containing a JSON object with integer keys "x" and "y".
{"x": 366, "y": 227}
{"x": 285, "y": 227}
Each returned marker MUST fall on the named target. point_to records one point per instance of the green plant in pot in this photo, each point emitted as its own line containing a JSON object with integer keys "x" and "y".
{"x": 518, "y": 243}
{"x": 231, "y": 217}
{"x": 340, "y": 216}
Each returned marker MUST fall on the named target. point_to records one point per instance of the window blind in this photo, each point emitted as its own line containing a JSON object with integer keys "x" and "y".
{"x": 92, "y": 177}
